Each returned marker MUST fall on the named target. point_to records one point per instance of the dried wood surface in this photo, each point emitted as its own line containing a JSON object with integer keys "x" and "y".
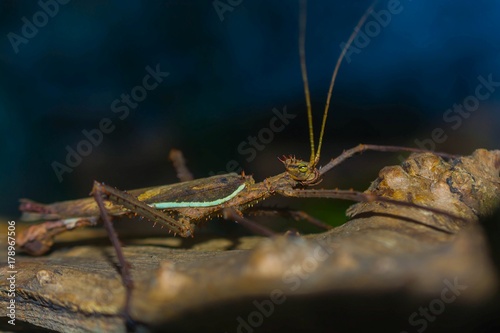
{"x": 371, "y": 273}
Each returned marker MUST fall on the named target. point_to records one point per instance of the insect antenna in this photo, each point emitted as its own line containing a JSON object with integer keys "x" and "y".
{"x": 303, "y": 68}
{"x": 334, "y": 75}
{"x": 302, "y": 36}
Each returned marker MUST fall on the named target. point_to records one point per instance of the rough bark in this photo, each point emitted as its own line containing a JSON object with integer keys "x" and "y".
{"x": 374, "y": 272}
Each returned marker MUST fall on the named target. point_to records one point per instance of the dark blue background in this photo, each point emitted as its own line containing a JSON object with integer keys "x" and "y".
{"x": 225, "y": 78}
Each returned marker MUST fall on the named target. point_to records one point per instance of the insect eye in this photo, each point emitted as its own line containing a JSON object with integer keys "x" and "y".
{"x": 303, "y": 168}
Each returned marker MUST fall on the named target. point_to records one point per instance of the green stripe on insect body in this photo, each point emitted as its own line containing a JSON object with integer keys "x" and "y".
{"x": 165, "y": 205}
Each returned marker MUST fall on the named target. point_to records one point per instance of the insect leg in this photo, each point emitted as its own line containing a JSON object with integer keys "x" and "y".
{"x": 361, "y": 148}
{"x": 368, "y": 197}
{"x": 232, "y": 214}
{"x": 102, "y": 192}
{"x": 296, "y": 215}
{"x": 179, "y": 163}
{"x": 99, "y": 193}
{"x": 39, "y": 238}
{"x": 182, "y": 228}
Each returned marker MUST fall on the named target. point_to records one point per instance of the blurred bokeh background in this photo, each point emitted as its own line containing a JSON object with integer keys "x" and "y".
{"x": 228, "y": 69}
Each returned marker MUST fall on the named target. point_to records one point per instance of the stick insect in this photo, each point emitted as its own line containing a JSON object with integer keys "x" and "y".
{"x": 180, "y": 206}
